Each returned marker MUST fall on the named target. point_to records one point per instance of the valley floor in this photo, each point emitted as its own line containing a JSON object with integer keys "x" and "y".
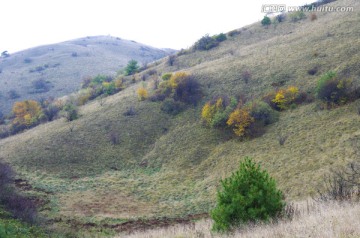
{"x": 314, "y": 219}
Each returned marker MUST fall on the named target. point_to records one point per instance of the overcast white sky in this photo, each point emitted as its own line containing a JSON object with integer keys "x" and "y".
{"x": 160, "y": 23}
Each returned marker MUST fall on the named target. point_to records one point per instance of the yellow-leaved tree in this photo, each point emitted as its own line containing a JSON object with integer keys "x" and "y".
{"x": 142, "y": 93}
{"x": 240, "y": 120}
{"x": 208, "y": 112}
{"x": 27, "y": 113}
{"x": 285, "y": 97}
{"x": 176, "y": 78}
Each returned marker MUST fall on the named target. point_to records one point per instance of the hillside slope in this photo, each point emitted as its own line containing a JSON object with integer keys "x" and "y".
{"x": 170, "y": 165}
{"x": 64, "y": 65}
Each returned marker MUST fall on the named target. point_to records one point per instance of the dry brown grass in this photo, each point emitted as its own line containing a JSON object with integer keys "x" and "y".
{"x": 328, "y": 220}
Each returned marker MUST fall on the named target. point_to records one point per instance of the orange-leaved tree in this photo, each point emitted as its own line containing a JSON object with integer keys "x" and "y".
{"x": 27, "y": 113}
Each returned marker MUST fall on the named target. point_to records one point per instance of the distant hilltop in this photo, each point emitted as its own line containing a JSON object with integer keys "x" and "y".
{"x": 64, "y": 65}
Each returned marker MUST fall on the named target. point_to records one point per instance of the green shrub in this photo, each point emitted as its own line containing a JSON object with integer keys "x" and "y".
{"x": 70, "y": 112}
{"x": 248, "y": 195}
{"x": 263, "y": 113}
{"x": 166, "y": 76}
{"x": 297, "y": 16}
{"x": 266, "y": 21}
{"x": 220, "y": 37}
{"x": 205, "y": 43}
{"x": 172, "y": 107}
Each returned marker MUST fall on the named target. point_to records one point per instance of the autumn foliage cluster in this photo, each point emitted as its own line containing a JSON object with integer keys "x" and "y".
{"x": 243, "y": 118}
{"x": 247, "y": 118}
{"x": 176, "y": 91}
{"x": 285, "y": 97}
{"x": 27, "y": 113}
{"x": 99, "y": 86}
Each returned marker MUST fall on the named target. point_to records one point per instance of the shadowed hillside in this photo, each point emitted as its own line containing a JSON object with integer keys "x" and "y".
{"x": 165, "y": 165}
{"x": 63, "y": 66}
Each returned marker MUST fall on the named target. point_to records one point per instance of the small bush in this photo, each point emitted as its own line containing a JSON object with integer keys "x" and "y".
{"x": 282, "y": 139}
{"x": 313, "y": 70}
{"x": 248, "y": 195}
{"x": 130, "y": 112}
{"x": 142, "y": 93}
{"x": 266, "y": 21}
{"x": 2, "y": 118}
{"x": 332, "y": 90}
{"x": 297, "y": 16}
{"x": 280, "y": 18}
{"x": 342, "y": 184}
{"x": 185, "y": 88}
{"x": 313, "y": 17}
{"x": 27, "y": 60}
{"x": 40, "y": 86}
{"x": 84, "y": 97}
{"x": 13, "y": 94}
{"x": 166, "y": 76}
{"x": 233, "y": 33}
{"x": 284, "y": 98}
{"x": 246, "y": 76}
{"x": 70, "y": 112}
{"x": 205, "y": 43}
{"x": 181, "y": 87}
{"x": 220, "y": 37}
{"x": 262, "y": 113}
{"x": 172, "y": 107}
{"x": 114, "y": 138}
{"x": 51, "y": 111}
{"x": 171, "y": 60}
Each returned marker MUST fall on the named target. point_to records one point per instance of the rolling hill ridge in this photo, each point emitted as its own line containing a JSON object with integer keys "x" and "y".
{"x": 63, "y": 66}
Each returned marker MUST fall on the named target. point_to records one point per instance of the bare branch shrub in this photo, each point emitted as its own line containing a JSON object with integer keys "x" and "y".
{"x": 342, "y": 184}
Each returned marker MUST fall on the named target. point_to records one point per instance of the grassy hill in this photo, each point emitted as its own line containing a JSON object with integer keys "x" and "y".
{"x": 63, "y": 66}
{"x": 170, "y": 166}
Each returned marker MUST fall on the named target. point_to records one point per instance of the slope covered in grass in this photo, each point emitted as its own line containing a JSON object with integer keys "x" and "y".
{"x": 170, "y": 166}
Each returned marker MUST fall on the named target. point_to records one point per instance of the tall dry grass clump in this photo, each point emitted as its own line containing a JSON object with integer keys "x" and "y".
{"x": 313, "y": 219}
